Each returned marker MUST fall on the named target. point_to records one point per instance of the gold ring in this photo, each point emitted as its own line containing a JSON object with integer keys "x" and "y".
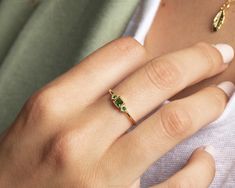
{"x": 120, "y": 104}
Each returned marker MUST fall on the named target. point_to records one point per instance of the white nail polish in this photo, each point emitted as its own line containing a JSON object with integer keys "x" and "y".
{"x": 226, "y": 51}
{"x": 210, "y": 150}
{"x": 228, "y": 87}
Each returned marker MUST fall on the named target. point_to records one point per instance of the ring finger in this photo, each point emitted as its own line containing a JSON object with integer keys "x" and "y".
{"x": 152, "y": 84}
{"x": 135, "y": 151}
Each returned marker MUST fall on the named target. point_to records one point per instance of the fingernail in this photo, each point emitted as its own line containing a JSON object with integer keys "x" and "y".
{"x": 226, "y": 51}
{"x": 228, "y": 87}
{"x": 210, "y": 150}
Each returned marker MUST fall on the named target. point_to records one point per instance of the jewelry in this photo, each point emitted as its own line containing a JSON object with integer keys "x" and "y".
{"x": 119, "y": 103}
{"x": 218, "y": 21}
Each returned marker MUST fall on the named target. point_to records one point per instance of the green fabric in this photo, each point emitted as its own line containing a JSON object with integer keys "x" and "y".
{"x": 13, "y": 15}
{"x": 41, "y": 42}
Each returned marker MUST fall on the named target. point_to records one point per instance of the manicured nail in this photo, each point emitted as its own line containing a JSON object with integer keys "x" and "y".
{"x": 210, "y": 150}
{"x": 228, "y": 87}
{"x": 226, "y": 51}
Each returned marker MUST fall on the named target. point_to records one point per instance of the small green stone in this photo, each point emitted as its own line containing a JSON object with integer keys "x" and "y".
{"x": 123, "y": 109}
{"x": 118, "y": 102}
{"x": 114, "y": 97}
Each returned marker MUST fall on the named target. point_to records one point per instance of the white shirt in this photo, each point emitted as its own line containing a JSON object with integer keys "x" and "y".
{"x": 220, "y": 134}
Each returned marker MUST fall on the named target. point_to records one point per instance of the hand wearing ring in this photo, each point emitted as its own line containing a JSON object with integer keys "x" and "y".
{"x": 73, "y": 132}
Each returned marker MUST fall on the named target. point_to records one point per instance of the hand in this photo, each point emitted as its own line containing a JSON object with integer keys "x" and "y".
{"x": 69, "y": 134}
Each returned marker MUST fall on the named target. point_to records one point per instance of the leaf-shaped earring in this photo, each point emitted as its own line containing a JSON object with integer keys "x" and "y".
{"x": 218, "y": 20}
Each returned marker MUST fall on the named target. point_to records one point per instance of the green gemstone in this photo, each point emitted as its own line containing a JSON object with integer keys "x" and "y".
{"x": 114, "y": 97}
{"x": 118, "y": 102}
{"x": 123, "y": 109}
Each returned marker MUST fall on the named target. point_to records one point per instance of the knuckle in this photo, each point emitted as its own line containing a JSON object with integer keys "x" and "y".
{"x": 59, "y": 151}
{"x": 128, "y": 46}
{"x": 175, "y": 122}
{"x": 163, "y": 74}
{"x": 45, "y": 104}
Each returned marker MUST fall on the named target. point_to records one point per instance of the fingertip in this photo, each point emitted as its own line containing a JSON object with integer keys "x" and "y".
{"x": 204, "y": 157}
{"x": 226, "y": 51}
{"x": 210, "y": 150}
{"x": 203, "y": 161}
{"x": 228, "y": 87}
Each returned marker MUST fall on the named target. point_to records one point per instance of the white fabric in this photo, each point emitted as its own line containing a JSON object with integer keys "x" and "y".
{"x": 220, "y": 134}
{"x": 142, "y": 19}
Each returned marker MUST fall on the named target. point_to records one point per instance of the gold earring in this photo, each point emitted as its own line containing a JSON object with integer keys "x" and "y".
{"x": 218, "y": 21}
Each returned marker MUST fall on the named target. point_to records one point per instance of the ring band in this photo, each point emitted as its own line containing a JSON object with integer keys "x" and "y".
{"x": 119, "y": 103}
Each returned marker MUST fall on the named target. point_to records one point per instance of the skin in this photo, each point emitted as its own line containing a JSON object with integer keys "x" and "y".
{"x": 176, "y": 26}
{"x": 69, "y": 134}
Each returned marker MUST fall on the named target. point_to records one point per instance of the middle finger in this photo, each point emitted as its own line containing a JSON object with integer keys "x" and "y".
{"x": 157, "y": 81}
